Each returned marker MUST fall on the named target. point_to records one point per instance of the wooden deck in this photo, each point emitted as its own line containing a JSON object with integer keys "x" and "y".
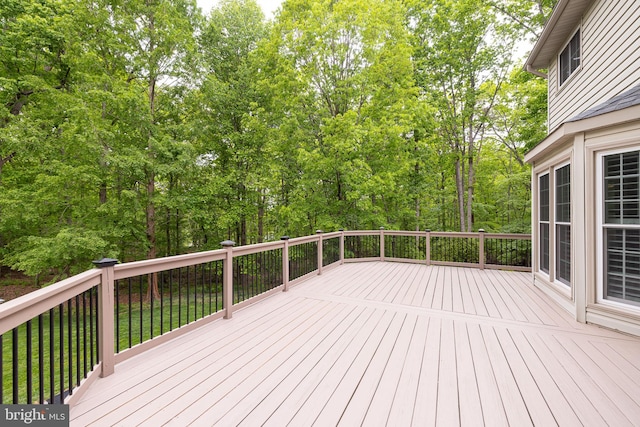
{"x": 382, "y": 344}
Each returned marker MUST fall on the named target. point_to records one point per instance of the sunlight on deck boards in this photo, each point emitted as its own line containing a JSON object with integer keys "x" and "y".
{"x": 382, "y": 344}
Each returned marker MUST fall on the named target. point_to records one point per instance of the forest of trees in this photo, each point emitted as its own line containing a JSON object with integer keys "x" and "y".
{"x": 143, "y": 128}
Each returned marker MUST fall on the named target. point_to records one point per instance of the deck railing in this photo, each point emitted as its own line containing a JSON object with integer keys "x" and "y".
{"x": 54, "y": 342}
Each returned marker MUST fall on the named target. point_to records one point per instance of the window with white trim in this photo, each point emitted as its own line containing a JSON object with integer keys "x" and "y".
{"x": 621, "y": 226}
{"x": 562, "y": 221}
{"x": 543, "y": 198}
{"x": 569, "y": 59}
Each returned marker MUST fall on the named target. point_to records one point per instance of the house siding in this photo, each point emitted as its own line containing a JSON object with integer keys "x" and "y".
{"x": 608, "y": 67}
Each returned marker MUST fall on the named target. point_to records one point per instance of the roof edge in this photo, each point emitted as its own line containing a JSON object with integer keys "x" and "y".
{"x": 534, "y": 61}
{"x": 546, "y": 32}
{"x": 569, "y": 129}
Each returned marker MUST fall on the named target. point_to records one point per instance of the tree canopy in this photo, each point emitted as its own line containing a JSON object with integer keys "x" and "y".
{"x": 144, "y": 128}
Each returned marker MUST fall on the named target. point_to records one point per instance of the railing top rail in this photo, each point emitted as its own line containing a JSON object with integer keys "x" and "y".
{"x": 331, "y": 235}
{"x": 15, "y": 312}
{"x": 258, "y": 247}
{"x": 137, "y": 268}
{"x": 454, "y": 234}
{"x": 362, "y": 233}
{"x": 304, "y": 239}
{"x": 507, "y": 236}
{"x": 404, "y": 233}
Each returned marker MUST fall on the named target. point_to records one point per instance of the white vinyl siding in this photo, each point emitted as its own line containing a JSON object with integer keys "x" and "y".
{"x": 610, "y": 46}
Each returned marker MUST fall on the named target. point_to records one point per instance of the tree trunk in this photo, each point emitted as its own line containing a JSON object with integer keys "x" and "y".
{"x": 260, "y": 216}
{"x": 460, "y": 192}
{"x": 177, "y": 244}
{"x": 470, "y": 188}
{"x": 168, "y": 231}
{"x": 152, "y": 290}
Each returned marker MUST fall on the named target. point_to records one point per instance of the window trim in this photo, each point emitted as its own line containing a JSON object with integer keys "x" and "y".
{"x": 600, "y": 231}
{"x": 564, "y": 282}
{"x": 567, "y": 45}
{"x": 546, "y": 222}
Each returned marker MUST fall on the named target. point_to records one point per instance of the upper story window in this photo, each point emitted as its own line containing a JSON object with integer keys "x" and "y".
{"x": 570, "y": 58}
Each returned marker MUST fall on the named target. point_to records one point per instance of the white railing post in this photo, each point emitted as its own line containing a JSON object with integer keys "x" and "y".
{"x": 319, "y": 233}
{"x": 481, "y": 248}
{"x": 106, "y": 315}
{"x": 227, "y": 279}
{"x": 341, "y": 246}
{"x": 381, "y": 243}
{"x": 428, "y": 246}
{"x": 285, "y": 263}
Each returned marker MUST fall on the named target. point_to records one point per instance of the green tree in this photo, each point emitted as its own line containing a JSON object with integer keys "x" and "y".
{"x": 340, "y": 77}
{"x": 462, "y": 54}
{"x": 46, "y": 207}
{"x": 231, "y": 144}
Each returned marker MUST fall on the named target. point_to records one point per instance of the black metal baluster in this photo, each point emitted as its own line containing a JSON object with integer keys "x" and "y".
{"x": 129, "y": 309}
{"x": 40, "y": 360}
{"x": 171, "y": 300}
{"x": 188, "y": 293}
{"x": 70, "y": 354}
{"x": 217, "y": 285}
{"x": 208, "y": 284}
{"x": 252, "y": 277}
{"x": 236, "y": 287}
{"x": 195, "y": 292}
{"x": 154, "y": 281}
{"x": 117, "y": 297}
{"x": 84, "y": 333}
{"x": 1, "y": 370}
{"x": 254, "y": 285}
{"x": 78, "y": 340}
{"x": 140, "y": 298}
{"x": 91, "y": 316}
{"x": 203, "y": 284}
{"x": 267, "y": 271}
{"x": 51, "y": 357}
{"x": 97, "y": 327}
{"x": 29, "y": 357}
{"x": 179, "y": 297}
{"x": 162, "y": 302}
{"x": 15, "y": 365}
{"x": 61, "y": 350}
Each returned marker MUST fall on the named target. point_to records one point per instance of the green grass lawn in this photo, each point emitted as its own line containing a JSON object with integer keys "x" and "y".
{"x": 146, "y": 322}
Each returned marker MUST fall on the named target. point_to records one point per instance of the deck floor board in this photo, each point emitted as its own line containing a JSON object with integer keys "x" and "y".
{"x": 380, "y": 344}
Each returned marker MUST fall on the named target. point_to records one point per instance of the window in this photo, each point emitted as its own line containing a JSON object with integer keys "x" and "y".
{"x": 621, "y": 226}
{"x": 570, "y": 58}
{"x": 563, "y": 224}
{"x": 544, "y": 222}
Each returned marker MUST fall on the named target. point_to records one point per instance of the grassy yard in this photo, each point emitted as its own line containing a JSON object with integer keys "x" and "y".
{"x": 55, "y": 361}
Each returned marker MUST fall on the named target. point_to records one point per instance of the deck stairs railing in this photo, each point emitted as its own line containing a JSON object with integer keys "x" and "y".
{"x": 56, "y": 341}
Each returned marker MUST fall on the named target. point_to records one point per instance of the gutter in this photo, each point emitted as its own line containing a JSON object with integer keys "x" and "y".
{"x": 533, "y": 71}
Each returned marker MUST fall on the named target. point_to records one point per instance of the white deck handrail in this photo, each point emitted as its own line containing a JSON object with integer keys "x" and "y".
{"x": 428, "y": 247}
